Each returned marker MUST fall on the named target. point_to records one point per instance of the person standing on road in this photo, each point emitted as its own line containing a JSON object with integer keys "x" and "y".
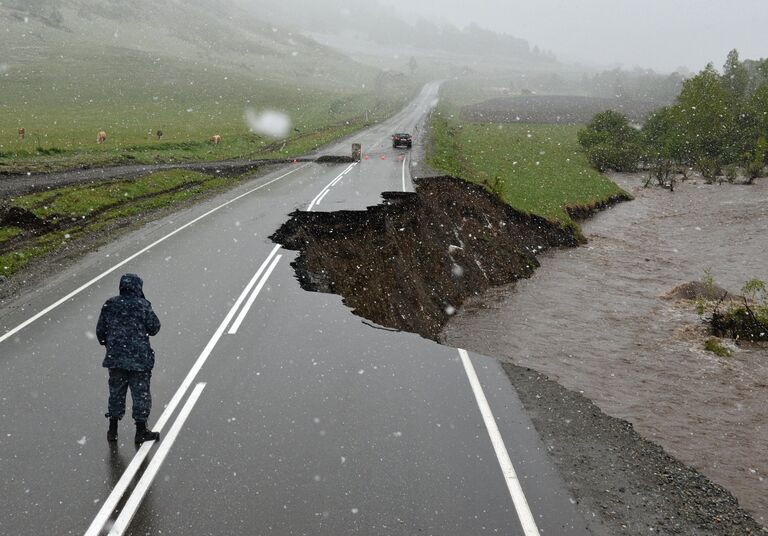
{"x": 125, "y": 324}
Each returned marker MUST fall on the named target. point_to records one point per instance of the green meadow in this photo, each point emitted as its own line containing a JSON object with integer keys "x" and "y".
{"x": 535, "y": 168}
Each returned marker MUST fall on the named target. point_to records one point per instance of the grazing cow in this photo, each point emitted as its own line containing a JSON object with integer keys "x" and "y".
{"x": 159, "y": 134}
{"x": 102, "y": 137}
{"x": 22, "y": 133}
{"x": 215, "y": 139}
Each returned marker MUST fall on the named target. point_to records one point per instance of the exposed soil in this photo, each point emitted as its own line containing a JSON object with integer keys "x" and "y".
{"x": 554, "y": 109}
{"x": 334, "y": 159}
{"x": 595, "y": 319}
{"x": 410, "y": 262}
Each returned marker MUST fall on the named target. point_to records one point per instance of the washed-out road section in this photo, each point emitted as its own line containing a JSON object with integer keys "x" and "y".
{"x": 281, "y": 412}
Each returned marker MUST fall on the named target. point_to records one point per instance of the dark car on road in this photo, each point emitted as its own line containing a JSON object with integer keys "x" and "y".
{"x": 401, "y": 139}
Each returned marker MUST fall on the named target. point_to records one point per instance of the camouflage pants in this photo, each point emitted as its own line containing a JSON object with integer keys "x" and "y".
{"x": 119, "y": 382}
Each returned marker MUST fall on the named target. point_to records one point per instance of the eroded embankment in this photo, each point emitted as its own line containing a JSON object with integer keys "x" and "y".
{"x": 407, "y": 262}
{"x": 411, "y": 261}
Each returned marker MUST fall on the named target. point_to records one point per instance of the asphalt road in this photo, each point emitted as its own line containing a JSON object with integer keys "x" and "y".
{"x": 280, "y": 411}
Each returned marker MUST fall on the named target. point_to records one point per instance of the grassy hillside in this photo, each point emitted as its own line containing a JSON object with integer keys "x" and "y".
{"x": 74, "y": 67}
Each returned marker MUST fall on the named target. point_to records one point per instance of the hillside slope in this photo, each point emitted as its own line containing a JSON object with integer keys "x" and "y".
{"x": 70, "y": 68}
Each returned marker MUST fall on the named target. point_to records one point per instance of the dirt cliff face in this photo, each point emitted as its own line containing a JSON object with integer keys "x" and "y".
{"x": 411, "y": 261}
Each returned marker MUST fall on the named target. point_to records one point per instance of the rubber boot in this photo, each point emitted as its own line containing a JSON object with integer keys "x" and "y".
{"x": 142, "y": 434}
{"x": 112, "y": 432}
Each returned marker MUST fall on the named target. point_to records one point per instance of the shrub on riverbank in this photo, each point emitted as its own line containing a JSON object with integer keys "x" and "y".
{"x": 742, "y": 317}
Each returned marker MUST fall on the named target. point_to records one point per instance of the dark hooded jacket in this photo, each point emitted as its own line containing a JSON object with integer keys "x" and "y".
{"x": 125, "y": 325}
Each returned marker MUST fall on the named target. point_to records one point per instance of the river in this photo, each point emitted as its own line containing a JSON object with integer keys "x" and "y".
{"x": 593, "y": 318}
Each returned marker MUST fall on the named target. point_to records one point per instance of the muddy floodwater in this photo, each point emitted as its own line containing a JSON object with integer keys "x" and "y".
{"x": 593, "y": 318}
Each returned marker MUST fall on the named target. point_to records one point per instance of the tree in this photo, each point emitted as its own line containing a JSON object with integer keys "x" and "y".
{"x": 758, "y": 104}
{"x": 711, "y": 120}
{"x": 735, "y": 75}
{"x": 412, "y": 65}
{"x": 611, "y": 142}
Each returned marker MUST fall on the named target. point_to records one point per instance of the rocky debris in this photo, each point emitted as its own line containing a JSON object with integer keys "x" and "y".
{"x": 334, "y": 159}
{"x": 696, "y": 290}
{"x": 411, "y": 261}
{"x": 623, "y": 484}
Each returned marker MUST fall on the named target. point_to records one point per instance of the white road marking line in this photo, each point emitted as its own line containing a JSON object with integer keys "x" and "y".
{"x": 404, "y": 159}
{"x": 133, "y": 468}
{"x": 249, "y": 303}
{"x": 140, "y": 252}
{"x": 329, "y": 185}
{"x": 513, "y": 484}
{"x": 321, "y": 197}
{"x": 135, "y": 499}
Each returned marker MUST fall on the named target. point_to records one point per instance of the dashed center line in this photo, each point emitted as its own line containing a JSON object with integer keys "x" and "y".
{"x": 322, "y": 196}
{"x": 328, "y": 186}
{"x": 254, "y": 294}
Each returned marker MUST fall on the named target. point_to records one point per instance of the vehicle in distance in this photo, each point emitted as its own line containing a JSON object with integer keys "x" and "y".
{"x": 401, "y": 139}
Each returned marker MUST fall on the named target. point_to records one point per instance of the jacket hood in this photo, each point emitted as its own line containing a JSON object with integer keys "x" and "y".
{"x": 131, "y": 285}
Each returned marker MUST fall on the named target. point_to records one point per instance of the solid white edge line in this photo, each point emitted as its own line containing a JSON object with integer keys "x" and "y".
{"x": 252, "y": 298}
{"x": 137, "y": 496}
{"x": 321, "y": 197}
{"x": 508, "y": 470}
{"x": 404, "y": 159}
{"x": 78, "y": 290}
{"x": 133, "y": 468}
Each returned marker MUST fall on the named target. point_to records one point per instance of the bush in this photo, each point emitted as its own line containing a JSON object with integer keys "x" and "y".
{"x": 740, "y": 321}
{"x": 714, "y": 345}
{"x": 754, "y": 170}
{"x": 731, "y": 172}
{"x": 709, "y": 168}
{"x": 49, "y": 150}
{"x": 744, "y": 317}
{"x": 605, "y": 156}
{"x": 610, "y": 142}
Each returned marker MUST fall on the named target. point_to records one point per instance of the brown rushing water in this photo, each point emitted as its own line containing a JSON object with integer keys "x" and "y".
{"x": 592, "y": 318}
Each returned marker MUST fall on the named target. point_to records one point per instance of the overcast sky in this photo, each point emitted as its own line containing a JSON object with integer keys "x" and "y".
{"x": 661, "y": 34}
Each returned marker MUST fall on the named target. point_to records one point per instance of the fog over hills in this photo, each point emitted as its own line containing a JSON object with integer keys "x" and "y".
{"x": 214, "y": 32}
{"x": 386, "y": 31}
